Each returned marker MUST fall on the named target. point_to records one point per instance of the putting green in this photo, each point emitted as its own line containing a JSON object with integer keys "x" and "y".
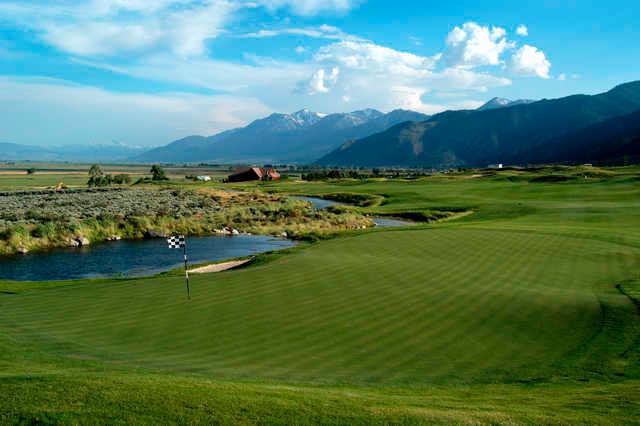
{"x": 397, "y": 307}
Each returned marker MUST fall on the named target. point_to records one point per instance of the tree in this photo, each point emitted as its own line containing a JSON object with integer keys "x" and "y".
{"x": 96, "y": 177}
{"x": 95, "y": 171}
{"x": 122, "y": 179}
{"x": 157, "y": 173}
{"x": 31, "y": 171}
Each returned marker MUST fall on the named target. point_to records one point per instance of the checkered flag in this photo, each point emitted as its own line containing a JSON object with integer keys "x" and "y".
{"x": 176, "y": 242}
{"x": 179, "y": 242}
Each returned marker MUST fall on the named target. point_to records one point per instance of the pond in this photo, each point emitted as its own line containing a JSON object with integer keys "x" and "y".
{"x": 381, "y": 222}
{"x": 131, "y": 258}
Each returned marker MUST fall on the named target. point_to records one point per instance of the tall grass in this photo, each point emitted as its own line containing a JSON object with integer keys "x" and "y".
{"x": 49, "y": 220}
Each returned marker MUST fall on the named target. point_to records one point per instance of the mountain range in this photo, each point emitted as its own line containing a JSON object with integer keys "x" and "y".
{"x": 601, "y": 128}
{"x": 74, "y": 153}
{"x": 299, "y": 137}
{"x": 525, "y": 133}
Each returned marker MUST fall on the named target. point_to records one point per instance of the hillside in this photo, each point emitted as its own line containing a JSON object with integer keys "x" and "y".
{"x": 478, "y": 138}
{"x": 614, "y": 141}
{"x": 299, "y": 137}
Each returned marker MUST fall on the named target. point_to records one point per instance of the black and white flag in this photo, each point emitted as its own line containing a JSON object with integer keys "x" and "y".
{"x": 176, "y": 242}
{"x": 180, "y": 242}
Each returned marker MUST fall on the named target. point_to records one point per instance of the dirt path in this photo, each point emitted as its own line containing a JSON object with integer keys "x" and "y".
{"x": 219, "y": 267}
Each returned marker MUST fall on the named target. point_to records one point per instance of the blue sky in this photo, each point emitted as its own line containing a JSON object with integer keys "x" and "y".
{"x": 145, "y": 72}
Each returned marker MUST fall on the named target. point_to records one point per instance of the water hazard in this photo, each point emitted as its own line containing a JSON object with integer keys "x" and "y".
{"x": 131, "y": 258}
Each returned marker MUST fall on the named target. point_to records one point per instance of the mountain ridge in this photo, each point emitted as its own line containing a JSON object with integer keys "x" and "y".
{"x": 301, "y": 136}
{"x": 478, "y": 138}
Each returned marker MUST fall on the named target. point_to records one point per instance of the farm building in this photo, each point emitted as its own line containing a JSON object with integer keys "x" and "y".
{"x": 254, "y": 173}
{"x": 203, "y": 178}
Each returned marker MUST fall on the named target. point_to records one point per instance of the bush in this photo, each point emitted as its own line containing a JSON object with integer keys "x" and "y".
{"x": 157, "y": 173}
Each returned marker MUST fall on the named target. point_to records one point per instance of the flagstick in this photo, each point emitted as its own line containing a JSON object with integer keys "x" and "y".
{"x": 186, "y": 271}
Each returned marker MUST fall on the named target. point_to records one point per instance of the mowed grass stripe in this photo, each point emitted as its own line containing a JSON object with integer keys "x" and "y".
{"x": 415, "y": 306}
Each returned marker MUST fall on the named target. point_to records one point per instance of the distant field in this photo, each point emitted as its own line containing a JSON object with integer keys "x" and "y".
{"x": 524, "y": 311}
{"x": 14, "y": 175}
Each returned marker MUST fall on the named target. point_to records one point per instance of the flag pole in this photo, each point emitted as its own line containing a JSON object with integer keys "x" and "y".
{"x": 186, "y": 271}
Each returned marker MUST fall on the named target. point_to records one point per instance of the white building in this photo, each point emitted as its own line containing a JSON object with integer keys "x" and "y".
{"x": 203, "y": 178}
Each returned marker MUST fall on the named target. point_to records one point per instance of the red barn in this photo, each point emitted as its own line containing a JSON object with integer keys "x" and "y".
{"x": 253, "y": 173}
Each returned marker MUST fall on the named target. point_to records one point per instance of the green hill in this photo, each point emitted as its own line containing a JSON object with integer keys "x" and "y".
{"x": 479, "y": 138}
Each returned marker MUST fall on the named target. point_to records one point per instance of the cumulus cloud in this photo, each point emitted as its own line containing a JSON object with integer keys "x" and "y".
{"x": 473, "y": 45}
{"x": 522, "y": 30}
{"x": 531, "y": 62}
{"x": 371, "y": 74}
{"x": 321, "y": 81}
{"x": 375, "y": 58}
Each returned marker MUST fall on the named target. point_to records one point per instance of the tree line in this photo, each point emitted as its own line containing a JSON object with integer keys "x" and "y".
{"x": 98, "y": 178}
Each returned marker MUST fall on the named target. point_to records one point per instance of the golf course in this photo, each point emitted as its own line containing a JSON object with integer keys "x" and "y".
{"x": 514, "y": 299}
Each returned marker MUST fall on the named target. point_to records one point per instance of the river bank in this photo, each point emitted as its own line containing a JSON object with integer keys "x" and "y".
{"x": 34, "y": 221}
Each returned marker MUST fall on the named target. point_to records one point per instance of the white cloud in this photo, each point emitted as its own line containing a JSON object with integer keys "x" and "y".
{"x": 165, "y": 41}
{"x": 374, "y": 58}
{"x": 322, "y": 81}
{"x": 562, "y": 77}
{"x": 461, "y": 79}
{"x": 322, "y": 32}
{"x": 473, "y": 45}
{"x": 117, "y": 27}
{"x": 522, "y": 30}
{"x": 69, "y": 113}
{"x": 311, "y": 7}
{"x": 529, "y": 61}
{"x": 376, "y": 75}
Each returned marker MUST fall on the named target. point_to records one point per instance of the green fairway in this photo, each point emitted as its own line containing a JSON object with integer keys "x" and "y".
{"x": 525, "y": 311}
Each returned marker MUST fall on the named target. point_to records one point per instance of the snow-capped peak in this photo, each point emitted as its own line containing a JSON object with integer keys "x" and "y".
{"x": 304, "y": 117}
{"x": 503, "y": 103}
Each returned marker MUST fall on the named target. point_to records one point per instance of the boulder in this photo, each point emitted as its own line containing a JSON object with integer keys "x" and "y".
{"x": 235, "y": 232}
{"x": 114, "y": 238}
{"x": 83, "y": 241}
{"x": 156, "y": 233}
{"x": 22, "y": 250}
{"x": 70, "y": 242}
{"x": 284, "y": 234}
